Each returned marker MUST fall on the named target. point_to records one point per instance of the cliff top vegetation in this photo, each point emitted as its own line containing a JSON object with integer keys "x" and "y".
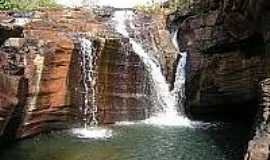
{"x": 26, "y": 5}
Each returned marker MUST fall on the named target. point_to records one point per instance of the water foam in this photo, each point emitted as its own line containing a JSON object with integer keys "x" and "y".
{"x": 22, "y": 21}
{"x": 162, "y": 119}
{"x": 92, "y": 133}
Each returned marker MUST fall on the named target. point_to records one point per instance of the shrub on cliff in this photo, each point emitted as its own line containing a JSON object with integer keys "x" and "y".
{"x": 26, "y": 4}
{"x": 169, "y": 6}
{"x": 179, "y": 4}
{"x": 150, "y": 9}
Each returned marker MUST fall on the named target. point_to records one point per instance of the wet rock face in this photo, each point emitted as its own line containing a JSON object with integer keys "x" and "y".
{"x": 122, "y": 85}
{"x": 152, "y": 32}
{"x": 8, "y": 31}
{"x": 226, "y": 80}
{"x": 228, "y": 55}
{"x": 40, "y": 75}
{"x": 222, "y": 64}
{"x": 258, "y": 148}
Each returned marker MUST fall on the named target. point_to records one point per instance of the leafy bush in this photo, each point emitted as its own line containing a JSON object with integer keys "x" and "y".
{"x": 170, "y": 6}
{"x": 150, "y": 9}
{"x": 26, "y": 4}
{"x": 179, "y": 4}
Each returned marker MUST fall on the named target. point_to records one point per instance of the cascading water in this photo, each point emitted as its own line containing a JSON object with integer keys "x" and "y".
{"x": 89, "y": 107}
{"x": 39, "y": 63}
{"x": 180, "y": 76}
{"x": 168, "y": 100}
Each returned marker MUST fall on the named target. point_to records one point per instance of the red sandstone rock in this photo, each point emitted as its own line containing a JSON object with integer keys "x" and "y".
{"x": 46, "y": 55}
{"x": 47, "y": 58}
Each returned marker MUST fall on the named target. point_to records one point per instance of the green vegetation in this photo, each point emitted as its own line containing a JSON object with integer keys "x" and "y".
{"x": 150, "y": 9}
{"x": 170, "y": 6}
{"x": 179, "y": 4}
{"x": 26, "y": 5}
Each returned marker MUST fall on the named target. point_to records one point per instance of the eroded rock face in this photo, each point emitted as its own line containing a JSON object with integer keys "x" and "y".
{"x": 41, "y": 78}
{"x": 151, "y": 31}
{"x": 8, "y": 30}
{"x": 35, "y": 71}
{"x": 9, "y": 98}
{"x": 123, "y": 86}
{"x": 227, "y": 55}
{"x": 258, "y": 148}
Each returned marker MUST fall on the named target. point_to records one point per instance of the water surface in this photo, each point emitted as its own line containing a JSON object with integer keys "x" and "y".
{"x": 137, "y": 142}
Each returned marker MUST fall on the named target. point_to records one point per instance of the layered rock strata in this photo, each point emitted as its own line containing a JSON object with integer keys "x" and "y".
{"x": 227, "y": 50}
{"x": 228, "y": 56}
{"x": 40, "y": 75}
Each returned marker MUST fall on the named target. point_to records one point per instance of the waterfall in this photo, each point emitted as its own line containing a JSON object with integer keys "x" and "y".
{"x": 39, "y": 66}
{"x": 180, "y": 75}
{"x": 89, "y": 108}
{"x": 168, "y": 100}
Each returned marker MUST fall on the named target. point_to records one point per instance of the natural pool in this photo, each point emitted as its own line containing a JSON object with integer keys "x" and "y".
{"x": 218, "y": 141}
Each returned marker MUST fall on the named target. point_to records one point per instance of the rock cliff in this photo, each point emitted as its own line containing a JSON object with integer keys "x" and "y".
{"x": 228, "y": 56}
{"x": 227, "y": 46}
{"x": 41, "y": 80}
{"x": 35, "y": 71}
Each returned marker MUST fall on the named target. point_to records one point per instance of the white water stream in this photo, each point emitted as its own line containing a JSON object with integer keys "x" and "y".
{"x": 89, "y": 107}
{"x": 169, "y": 100}
{"x": 87, "y": 67}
